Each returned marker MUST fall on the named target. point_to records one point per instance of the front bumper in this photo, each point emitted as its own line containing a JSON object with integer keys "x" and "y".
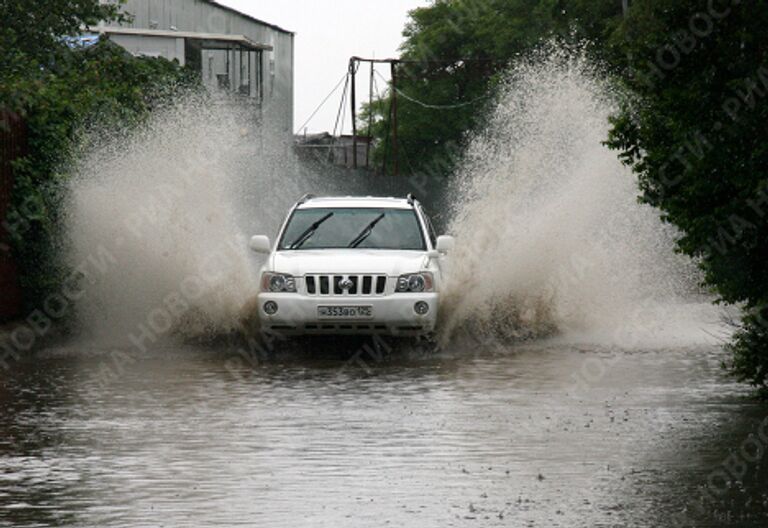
{"x": 393, "y": 315}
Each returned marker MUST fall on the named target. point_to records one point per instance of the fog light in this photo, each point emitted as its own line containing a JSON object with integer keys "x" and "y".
{"x": 270, "y": 307}
{"x": 421, "y": 308}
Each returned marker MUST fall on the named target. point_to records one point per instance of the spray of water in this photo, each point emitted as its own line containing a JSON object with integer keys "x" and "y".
{"x": 552, "y": 237}
{"x": 160, "y": 217}
{"x": 165, "y": 210}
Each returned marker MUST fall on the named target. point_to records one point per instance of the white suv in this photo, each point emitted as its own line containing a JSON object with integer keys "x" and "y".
{"x": 352, "y": 266}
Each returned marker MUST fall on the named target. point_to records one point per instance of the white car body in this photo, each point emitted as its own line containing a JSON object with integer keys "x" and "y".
{"x": 352, "y": 290}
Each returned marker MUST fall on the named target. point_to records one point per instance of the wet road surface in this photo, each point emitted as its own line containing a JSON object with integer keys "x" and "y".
{"x": 534, "y": 435}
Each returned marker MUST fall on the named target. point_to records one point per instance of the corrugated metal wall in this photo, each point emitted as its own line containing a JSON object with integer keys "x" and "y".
{"x": 13, "y": 144}
{"x": 201, "y": 16}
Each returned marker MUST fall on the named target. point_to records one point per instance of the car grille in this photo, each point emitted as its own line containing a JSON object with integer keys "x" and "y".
{"x": 358, "y": 285}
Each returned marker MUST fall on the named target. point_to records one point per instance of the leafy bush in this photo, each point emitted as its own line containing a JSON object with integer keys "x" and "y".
{"x": 104, "y": 85}
{"x": 696, "y": 137}
{"x": 31, "y": 40}
{"x": 59, "y": 91}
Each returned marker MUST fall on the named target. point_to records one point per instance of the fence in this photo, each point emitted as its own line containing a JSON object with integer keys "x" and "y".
{"x": 13, "y": 144}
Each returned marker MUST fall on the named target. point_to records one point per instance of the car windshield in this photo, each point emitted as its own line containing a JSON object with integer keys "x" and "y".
{"x": 361, "y": 228}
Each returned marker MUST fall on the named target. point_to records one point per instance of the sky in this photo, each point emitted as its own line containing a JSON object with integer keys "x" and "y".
{"x": 328, "y": 33}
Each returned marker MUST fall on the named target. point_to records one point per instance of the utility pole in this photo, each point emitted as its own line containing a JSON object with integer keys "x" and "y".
{"x": 393, "y": 110}
{"x": 396, "y": 161}
{"x": 353, "y": 72}
{"x": 370, "y": 122}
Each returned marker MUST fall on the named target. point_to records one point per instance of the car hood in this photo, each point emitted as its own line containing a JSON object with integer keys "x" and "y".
{"x": 349, "y": 261}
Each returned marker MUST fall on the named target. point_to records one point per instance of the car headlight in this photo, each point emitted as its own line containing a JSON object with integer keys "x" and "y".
{"x": 416, "y": 283}
{"x": 278, "y": 283}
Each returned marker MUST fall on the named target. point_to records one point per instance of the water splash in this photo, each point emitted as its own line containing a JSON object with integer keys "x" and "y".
{"x": 552, "y": 237}
{"x": 166, "y": 210}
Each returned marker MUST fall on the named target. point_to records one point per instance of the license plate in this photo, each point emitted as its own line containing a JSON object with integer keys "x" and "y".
{"x": 345, "y": 312}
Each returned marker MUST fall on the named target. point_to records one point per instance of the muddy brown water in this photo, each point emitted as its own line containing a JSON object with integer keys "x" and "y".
{"x": 536, "y": 435}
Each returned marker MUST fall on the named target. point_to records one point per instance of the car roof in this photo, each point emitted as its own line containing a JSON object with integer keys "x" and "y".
{"x": 372, "y": 202}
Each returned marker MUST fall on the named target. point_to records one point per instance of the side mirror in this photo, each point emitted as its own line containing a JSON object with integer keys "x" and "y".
{"x": 261, "y": 244}
{"x": 445, "y": 244}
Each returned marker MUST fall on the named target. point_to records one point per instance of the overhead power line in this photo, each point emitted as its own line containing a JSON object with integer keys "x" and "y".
{"x": 340, "y": 116}
{"x": 434, "y": 106}
{"x": 349, "y": 81}
{"x": 343, "y": 78}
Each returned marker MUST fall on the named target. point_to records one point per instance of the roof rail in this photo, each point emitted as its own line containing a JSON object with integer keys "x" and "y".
{"x": 411, "y": 198}
{"x": 304, "y": 199}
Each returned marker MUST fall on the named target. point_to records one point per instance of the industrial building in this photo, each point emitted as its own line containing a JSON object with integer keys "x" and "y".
{"x": 232, "y": 51}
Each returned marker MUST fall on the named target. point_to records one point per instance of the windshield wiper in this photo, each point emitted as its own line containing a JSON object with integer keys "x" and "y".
{"x": 306, "y": 235}
{"x": 359, "y": 239}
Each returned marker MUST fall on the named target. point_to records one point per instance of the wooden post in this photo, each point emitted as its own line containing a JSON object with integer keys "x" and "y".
{"x": 370, "y": 121}
{"x": 395, "y": 160}
{"x": 352, "y": 64}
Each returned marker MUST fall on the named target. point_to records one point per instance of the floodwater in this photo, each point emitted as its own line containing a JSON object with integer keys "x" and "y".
{"x": 532, "y": 435}
{"x": 553, "y": 433}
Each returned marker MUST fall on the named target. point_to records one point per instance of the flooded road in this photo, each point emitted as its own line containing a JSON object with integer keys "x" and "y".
{"x": 551, "y": 239}
{"x": 534, "y": 435}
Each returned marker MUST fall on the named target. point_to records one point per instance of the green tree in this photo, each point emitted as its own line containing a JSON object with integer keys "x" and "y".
{"x": 58, "y": 90}
{"x": 31, "y": 39}
{"x": 695, "y": 133}
{"x": 453, "y": 54}
{"x": 103, "y": 85}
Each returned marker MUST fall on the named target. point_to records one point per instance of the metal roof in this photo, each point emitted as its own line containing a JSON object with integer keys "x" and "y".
{"x": 212, "y": 38}
{"x": 249, "y": 17}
